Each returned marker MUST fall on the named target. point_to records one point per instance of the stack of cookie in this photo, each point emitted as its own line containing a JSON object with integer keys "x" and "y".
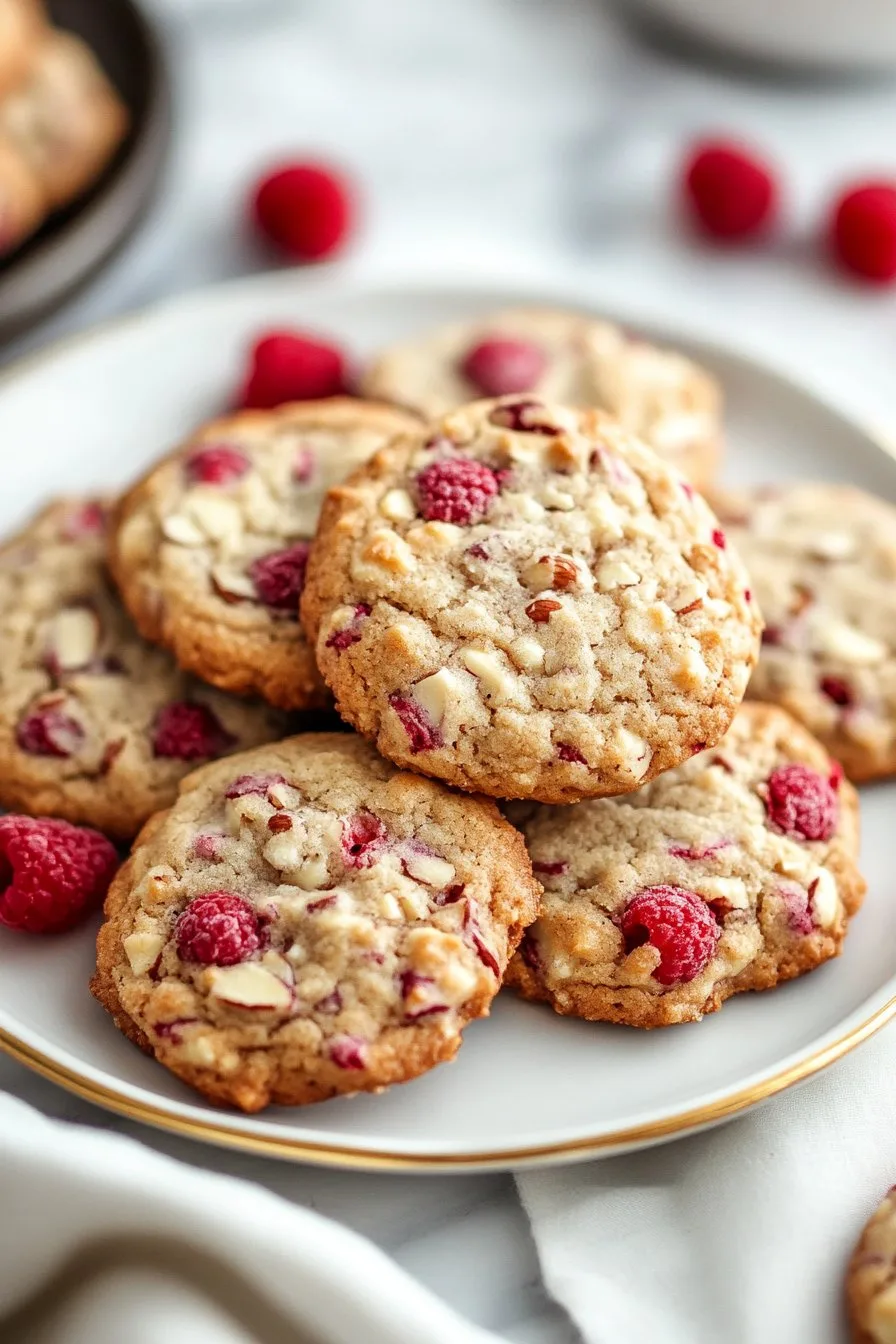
{"x": 528, "y": 615}
{"x": 61, "y": 121}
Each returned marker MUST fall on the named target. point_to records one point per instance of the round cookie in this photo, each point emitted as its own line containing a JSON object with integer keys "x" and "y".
{"x": 97, "y": 726}
{"x": 822, "y": 560}
{"x": 209, "y": 548}
{"x": 661, "y": 396}
{"x": 732, "y": 872}
{"x": 65, "y": 120}
{"x": 871, "y": 1278}
{"x": 307, "y": 920}
{"x": 22, "y": 26}
{"x": 523, "y": 600}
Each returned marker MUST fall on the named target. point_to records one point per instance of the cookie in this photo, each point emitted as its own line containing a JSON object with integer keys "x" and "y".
{"x": 97, "y": 726}
{"x": 22, "y": 200}
{"x": 661, "y": 396}
{"x": 871, "y": 1278}
{"x": 732, "y": 872}
{"x": 66, "y": 120}
{"x": 209, "y": 548}
{"x": 22, "y": 26}
{"x": 306, "y": 921}
{"x": 523, "y": 600}
{"x": 822, "y": 560}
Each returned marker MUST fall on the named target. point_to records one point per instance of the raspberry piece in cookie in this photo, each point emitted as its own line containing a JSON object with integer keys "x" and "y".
{"x": 564, "y": 357}
{"x": 660, "y": 905}
{"x": 52, "y": 874}
{"x": 210, "y": 548}
{"x": 871, "y": 1277}
{"x": 347, "y": 924}
{"x": 822, "y": 562}
{"x": 97, "y": 726}
{"x": 522, "y": 599}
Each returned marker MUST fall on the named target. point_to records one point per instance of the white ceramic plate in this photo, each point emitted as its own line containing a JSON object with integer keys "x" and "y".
{"x": 528, "y": 1087}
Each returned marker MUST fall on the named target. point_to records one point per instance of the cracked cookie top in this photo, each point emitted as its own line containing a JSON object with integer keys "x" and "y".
{"x": 732, "y": 872}
{"x": 522, "y": 599}
{"x": 96, "y": 725}
{"x": 210, "y": 548}
{"x": 307, "y": 920}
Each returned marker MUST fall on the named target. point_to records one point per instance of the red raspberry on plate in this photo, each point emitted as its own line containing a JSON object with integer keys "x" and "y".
{"x": 862, "y": 231}
{"x": 217, "y": 929}
{"x": 217, "y": 465}
{"x": 503, "y": 364}
{"x": 52, "y": 874}
{"x": 280, "y": 577}
{"x": 306, "y": 209}
{"x": 456, "y": 490}
{"x": 678, "y": 924}
{"x": 729, "y": 192}
{"x": 287, "y": 366}
{"x": 189, "y": 732}
{"x": 801, "y": 803}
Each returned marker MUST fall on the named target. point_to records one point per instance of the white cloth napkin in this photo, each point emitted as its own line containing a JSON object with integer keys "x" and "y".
{"x": 739, "y": 1236}
{"x": 103, "y": 1240}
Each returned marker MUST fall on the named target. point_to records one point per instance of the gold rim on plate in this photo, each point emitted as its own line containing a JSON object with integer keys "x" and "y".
{"x": 346, "y": 1158}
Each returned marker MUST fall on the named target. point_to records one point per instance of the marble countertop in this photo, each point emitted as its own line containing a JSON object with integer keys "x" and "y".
{"x": 539, "y": 128}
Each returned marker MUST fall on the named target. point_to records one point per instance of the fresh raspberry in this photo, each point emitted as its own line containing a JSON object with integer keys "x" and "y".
{"x": 729, "y": 192}
{"x": 719, "y": 539}
{"x": 49, "y": 732}
{"x": 502, "y": 364}
{"x": 85, "y": 520}
{"x": 422, "y": 733}
{"x": 286, "y": 366}
{"x": 838, "y": 690}
{"x": 862, "y": 231}
{"x": 351, "y": 633}
{"x": 280, "y": 577}
{"x": 217, "y": 929}
{"x": 218, "y": 465}
{"x": 190, "y": 732}
{"x": 305, "y": 208}
{"x": 456, "y": 490}
{"x": 259, "y": 784}
{"x": 363, "y": 838}
{"x": 801, "y": 803}
{"x": 52, "y": 874}
{"x": 678, "y": 924}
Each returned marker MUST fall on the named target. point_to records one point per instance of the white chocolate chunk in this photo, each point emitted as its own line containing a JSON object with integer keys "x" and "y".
{"x": 73, "y": 637}
{"x": 845, "y": 642}
{"x": 219, "y": 519}
{"x": 233, "y": 582}
{"x": 555, "y": 498}
{"x": 397, "y": 506}
{"x": 834, "y": 545}
{"x": 527, "y": 653}
{"x": 390, "y": 551}
{"x": 198, "y": 1051}
{"x": 435, "y": 693}
{"x": 249, "y": 985}
{"x": 825, "y": 900}
{"x": 428, "y": 868}
{"x": 279, "y": 966}
{"x": 142, "y": 950}
{"x": 494, "y": 678}
{"x": 635, "y": 752}
{"x": 282, "y": 852}
{"x": 525, "y": 506}
{"x": 178, "y": 528}
{"x": 730, "y": 889}
{"x": 615, "y": 573}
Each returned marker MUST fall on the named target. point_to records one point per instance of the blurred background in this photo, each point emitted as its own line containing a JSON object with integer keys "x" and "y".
{"x": 537, "y": 133}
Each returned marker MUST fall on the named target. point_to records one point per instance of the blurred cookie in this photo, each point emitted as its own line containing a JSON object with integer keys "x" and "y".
{"x": 97, "y": 726}
{"x": 822, "y": 561}
{"x": 732, "y": 872}
{"x": 66, "y": 120}
{"x": 22, "y": 27}
{"x": 22, "y": 200}
{"x": 209, "y": 549}
{"x": 565, "y": 357}
{"x": 871, "y": 1278}
{"x": 306, "y": 921}
{"x": 522, "y": 599}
